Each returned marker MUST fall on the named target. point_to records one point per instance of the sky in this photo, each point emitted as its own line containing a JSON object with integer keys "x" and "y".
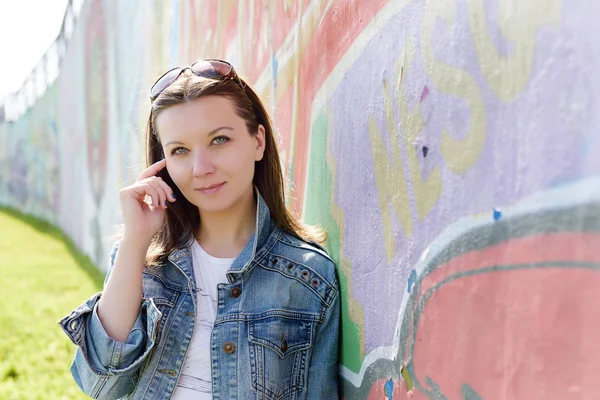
{"x": 27, "y": 29}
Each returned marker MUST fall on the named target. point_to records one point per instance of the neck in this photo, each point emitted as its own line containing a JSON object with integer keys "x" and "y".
{"x": 225, "y": 234}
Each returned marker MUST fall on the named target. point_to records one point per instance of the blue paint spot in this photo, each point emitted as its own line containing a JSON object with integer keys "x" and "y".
{"x": 497, "y": 214}
{"x": 412, "y": 279}
{"x": 389, "y": 388}
{"x": 275, "y": 64}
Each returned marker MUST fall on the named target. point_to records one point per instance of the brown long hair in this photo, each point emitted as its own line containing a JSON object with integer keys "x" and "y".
{"x": 182, "y": 218}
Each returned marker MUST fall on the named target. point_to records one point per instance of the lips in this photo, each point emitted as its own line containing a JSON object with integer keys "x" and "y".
{"x": 210, "y": 187}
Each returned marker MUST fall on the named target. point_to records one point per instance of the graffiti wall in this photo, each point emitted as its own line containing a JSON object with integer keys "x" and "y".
{"x": 451, "y": 148}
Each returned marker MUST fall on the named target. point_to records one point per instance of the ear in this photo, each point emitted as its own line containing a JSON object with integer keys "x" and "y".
{"x": 260, "y": 143}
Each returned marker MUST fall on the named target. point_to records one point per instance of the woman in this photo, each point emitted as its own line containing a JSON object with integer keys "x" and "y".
{"x": 214, "y": 290}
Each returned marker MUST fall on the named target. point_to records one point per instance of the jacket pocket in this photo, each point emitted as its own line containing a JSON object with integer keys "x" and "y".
{"x": 278, "y": 352}
{"x": 164, "y": 298}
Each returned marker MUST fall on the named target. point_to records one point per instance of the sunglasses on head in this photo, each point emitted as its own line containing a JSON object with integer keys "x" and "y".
{"x": 210, "y": 68}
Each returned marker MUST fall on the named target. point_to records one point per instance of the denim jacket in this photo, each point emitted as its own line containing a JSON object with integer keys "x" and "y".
{"x": 275, "y": 335}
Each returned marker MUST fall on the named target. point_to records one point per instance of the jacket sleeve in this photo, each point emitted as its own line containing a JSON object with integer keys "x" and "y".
{"x": 103, "y": 367}
{"x": 323, "y": 375}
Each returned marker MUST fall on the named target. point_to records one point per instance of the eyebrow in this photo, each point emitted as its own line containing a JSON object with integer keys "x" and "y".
{"x": 211, "y": 133}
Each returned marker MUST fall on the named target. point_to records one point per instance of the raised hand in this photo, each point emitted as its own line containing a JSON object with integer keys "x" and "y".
{"x": 142, "y": 220}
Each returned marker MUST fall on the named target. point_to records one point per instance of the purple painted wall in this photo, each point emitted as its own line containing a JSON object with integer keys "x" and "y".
{"x": 455, "y": 139}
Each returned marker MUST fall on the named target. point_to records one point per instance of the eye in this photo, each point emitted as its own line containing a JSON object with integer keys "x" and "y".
{"x": 219, "y": 140}
{"x": 178, "y": 151}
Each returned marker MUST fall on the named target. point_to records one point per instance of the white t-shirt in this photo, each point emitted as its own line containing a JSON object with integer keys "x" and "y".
{"x": 195, "y": 380}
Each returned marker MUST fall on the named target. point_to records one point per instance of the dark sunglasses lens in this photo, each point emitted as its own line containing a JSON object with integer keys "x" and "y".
{"x": 164, "y": 81}
{"x": 211, "y": 69}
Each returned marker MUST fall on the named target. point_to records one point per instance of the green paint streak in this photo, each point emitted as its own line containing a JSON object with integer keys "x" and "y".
{"x": 436, "y": 392}
{"x": 318, "y": 212}
{"x": 469, "y": 393}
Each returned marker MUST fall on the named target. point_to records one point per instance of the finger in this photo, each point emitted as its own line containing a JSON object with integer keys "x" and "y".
{"x": 138, "y": 191}
{"x": 152, "y": 170}
{"x": 156, "y": 184}
{"x": 168, "y": 191}
{"x": 151, "y": 191}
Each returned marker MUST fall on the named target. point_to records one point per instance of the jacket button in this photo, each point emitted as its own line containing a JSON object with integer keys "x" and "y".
{"x": 228, "y": 347}
{"x": 235, "y": 292}
{"x": 169, "y": 372}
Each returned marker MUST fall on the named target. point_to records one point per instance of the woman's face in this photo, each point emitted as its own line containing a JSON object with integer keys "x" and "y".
{"x": 210, "y": 153}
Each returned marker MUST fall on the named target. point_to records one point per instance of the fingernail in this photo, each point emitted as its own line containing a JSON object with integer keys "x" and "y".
{"x": 173, "y": 196}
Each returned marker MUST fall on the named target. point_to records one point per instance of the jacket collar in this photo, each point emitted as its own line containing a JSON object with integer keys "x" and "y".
{"x": 265, "y": 234}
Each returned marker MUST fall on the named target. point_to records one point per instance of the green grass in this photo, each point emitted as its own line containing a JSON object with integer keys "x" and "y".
{"x": 42, "y": 278}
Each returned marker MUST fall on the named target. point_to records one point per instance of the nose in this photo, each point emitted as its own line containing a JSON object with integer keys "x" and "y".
{"x": 203, "y": 164}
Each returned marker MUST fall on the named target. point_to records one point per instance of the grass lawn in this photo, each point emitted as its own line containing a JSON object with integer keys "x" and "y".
{"x": 42, "y": 278}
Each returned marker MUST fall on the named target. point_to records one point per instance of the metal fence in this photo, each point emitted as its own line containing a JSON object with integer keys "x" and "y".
{"x": 45, "y": 72}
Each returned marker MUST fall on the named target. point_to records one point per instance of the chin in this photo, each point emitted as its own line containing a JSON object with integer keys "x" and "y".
{"x": 213, "y": 204}
{"x": 220, "y": 208}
